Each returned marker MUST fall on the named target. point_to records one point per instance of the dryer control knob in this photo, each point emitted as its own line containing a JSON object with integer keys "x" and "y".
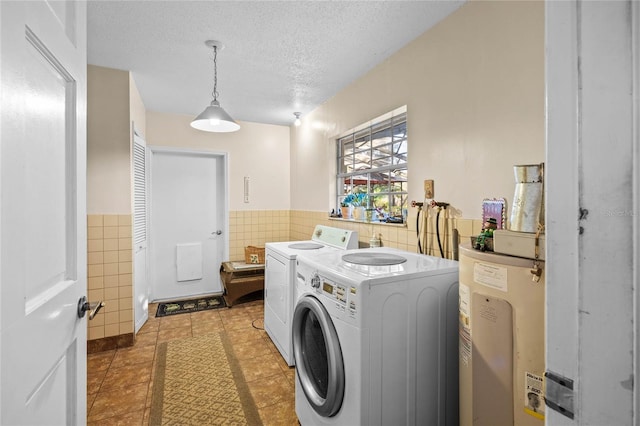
{"x": 315, "y": 281}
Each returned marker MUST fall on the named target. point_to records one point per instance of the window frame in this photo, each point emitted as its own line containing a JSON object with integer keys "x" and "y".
{"x": 356, "y": 174}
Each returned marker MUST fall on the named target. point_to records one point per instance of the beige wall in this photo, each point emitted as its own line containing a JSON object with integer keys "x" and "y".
{"x": 136, "y": 107}
{"x": 474, "y": 89}
{"x": 259, "y": 151}
{"x": 113, "y": 104}
{"x": 108, "y": 147}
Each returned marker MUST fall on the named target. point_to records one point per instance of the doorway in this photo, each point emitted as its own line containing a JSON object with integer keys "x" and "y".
{"x": 188, "y": 236}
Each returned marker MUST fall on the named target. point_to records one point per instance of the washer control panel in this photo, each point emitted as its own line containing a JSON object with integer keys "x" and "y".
{"x": 335, "y": 291}
{"x": 345, "y": 298}
{"x": 341, "y": 300}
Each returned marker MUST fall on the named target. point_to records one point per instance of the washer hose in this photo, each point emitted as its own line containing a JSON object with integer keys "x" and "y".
{"x": 438, "y": 231}
{"x": 418, "y": 229}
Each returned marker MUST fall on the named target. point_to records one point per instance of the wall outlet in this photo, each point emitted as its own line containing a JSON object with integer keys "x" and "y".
{"x": 428, "y": 189}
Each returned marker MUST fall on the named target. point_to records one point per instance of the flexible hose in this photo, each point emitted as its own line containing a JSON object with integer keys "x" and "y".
{"x": 425, "y": 231}
{"x": 438, "y": 232}
{"x": 418, "y": 230}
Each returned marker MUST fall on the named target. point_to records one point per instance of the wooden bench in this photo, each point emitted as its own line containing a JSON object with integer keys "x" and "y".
{"x": 240, "y": 279}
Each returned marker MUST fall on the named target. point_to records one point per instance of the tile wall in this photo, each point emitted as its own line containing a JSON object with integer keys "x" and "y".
{"x": 109, "y": 257}
{"x": 258, "y": 227}
{"x": 255, "y": 228}
{"x": 109, "y": 274}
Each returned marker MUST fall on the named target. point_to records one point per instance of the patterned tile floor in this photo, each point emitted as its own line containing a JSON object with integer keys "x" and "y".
{"x": 120, "y": 382}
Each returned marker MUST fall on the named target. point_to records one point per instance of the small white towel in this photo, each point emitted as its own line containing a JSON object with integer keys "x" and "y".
{"x": 189, "y": 261}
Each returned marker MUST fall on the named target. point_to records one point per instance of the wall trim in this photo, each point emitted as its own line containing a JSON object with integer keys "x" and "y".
{"x": 110, "y": 343}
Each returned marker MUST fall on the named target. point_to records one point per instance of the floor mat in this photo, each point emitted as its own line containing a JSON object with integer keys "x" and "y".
{"x": 198, "y": 381}
{"x": 190, "y": 305}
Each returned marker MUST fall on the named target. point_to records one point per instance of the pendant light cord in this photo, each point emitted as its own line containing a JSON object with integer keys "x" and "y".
{"x": 215, "y": 74}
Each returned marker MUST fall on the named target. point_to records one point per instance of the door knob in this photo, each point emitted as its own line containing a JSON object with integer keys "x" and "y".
{"x": 218, "y": 232}
{"x": 93, "y": 308}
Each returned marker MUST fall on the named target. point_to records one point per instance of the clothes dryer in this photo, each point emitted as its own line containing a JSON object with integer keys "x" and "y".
{"x": 375, "y": 339}
{"x": 279, "y": 285}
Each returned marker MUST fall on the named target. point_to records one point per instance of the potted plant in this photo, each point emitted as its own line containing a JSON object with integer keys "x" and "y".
{"x": 359, "y": 202}
{"x": 345, "y": 209}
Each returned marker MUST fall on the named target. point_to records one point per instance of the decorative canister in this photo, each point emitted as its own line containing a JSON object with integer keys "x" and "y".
{"x": 527, "y": 211}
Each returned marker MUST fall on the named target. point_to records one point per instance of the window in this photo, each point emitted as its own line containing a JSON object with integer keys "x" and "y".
{"x": 372, "y": 160}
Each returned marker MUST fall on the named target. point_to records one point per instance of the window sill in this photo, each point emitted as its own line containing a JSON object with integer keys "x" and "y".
{"x": 397, "y": 225}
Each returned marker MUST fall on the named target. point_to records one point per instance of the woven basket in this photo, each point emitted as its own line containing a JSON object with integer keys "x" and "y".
{"x": 254, "y": 255}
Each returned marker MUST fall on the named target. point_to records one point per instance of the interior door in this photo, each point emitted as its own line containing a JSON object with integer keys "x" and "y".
{"x": 140, "y": 281}
{"x": 42, "y": 212}
{"x": 187, "y": 240}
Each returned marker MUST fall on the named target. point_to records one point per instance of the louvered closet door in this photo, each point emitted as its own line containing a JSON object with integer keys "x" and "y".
{"x": 141, "y": 285}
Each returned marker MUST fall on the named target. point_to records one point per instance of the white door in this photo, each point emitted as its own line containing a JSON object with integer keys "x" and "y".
{"x": 43, "y": 212}
{"x": 140, "y": 282}
{"x": 188, "y": 222}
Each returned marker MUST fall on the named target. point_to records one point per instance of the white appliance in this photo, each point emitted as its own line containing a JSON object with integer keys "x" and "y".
{"x": 375, "y": 339}
{"x": 279, "y": 285}
{"x": 501, "y": 344}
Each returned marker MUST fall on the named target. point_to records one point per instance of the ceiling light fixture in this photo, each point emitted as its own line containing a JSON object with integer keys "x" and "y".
{"x": 297, "y": 122}
{"x": 214, "y": 118}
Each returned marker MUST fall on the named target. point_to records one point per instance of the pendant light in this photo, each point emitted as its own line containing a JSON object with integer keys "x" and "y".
{"x": 214, "y": 118}
{"x": 297, "y": 121}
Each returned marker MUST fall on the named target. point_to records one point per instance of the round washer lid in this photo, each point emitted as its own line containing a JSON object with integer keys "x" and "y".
{"x": 305, "y": 246}
{"x": 374, "y": 259}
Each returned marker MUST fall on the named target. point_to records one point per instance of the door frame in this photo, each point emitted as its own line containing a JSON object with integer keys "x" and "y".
{"x": 223, "y": 188}
{"x": 592, "y": 204}
{"x": 635, "y": 46}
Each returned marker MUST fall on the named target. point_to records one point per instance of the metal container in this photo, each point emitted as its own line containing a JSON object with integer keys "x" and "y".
{"x": 527, "y": 212}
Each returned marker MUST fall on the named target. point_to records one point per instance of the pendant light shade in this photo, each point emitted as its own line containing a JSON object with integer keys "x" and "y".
{"x": 214, "y": 118}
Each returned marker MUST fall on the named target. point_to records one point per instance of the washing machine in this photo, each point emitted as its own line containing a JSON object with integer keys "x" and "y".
{"x": 279, "y": 285}
{"x": 375, "y": 339}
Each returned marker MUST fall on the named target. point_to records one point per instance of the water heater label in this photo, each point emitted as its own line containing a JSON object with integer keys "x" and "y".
{"x": 464, "y": 326}
{"x": 490, "y": 275}
{"x": 534, "y": 395}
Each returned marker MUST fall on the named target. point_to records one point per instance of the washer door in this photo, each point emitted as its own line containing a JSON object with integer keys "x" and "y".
{"x": 318, "y": 356}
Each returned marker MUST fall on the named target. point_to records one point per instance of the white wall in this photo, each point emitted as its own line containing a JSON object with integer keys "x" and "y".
{"x": 260, "y": 151}
{"x": 474, "y": 89}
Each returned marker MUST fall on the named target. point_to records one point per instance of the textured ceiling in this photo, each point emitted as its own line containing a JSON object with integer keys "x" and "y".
{"x": 279, "y": 56}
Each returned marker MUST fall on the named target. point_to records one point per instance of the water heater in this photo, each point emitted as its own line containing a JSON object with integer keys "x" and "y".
{"x": 501, "y": 340}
